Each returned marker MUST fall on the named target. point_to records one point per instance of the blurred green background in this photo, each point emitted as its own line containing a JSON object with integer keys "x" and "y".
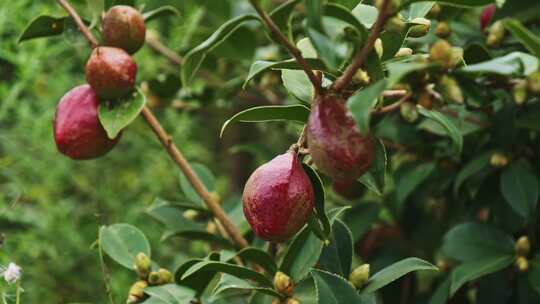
{"x": 51, "y": 207}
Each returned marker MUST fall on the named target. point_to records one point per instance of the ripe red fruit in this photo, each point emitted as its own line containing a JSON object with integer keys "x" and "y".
{"x": 77, "y": 130}
{"x": 335, "y": 144}
{"x": 123, "y": 27}
{"x": 348, "y": 189}
{"x": 487, "y": 15}
{"x": 111, "y": 72}
{"x": 278, "y": 198}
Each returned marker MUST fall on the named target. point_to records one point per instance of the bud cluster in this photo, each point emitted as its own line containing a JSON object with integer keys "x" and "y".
{"x": 147, "y": 277}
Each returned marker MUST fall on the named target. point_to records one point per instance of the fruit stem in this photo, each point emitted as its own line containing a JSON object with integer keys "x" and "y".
{"x": 171, "y": 148}
{"x": 283, "y": 40}
{"x": 343, "y": 81}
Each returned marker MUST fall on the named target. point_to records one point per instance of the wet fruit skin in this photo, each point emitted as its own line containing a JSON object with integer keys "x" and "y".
{"x": 123, "y": 27}
{"x": 111, "y": 72}
{"x": 335, "y": 144}
{"x": 77, "y": 131}
{"x": 278, "y": 198}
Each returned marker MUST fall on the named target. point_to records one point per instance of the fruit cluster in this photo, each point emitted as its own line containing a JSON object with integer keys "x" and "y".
{"x": 111, "y": 74}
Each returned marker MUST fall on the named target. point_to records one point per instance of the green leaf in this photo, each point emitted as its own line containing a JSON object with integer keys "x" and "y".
{"x": 258, "y": 256}
{"x": 361, "y": 103}
{"x": 416, "y": 10}
{"x": 360, "y": 218}
{"x": 230, "y": 283}
{"x": 337, "y": 256}
{"x": 407, "y": 182}
{"x": 441, "y": 294}
{"x": 122, "y": 242}
{"x": 318, "y": 188}
{"x": 398, "y": 70}
{"x": 232, "y": 269}
{"x": 367, "y": 14}
{"x": 474, "y": 241}
{"x": 374, "y": 179}
{"x": 534, "y": 273}
{"x": 475, "y": 269}
{"x": 526, "y": 37}
{"x": 513, "y": 64}
{"x": 319, "y": 38}
{"x": 296, "y": 113}
{"x": 118, "y": 114}
{"x": 160, "y": 12}
{"x": 333, "y": 289}
{"x": 519, "y": 187}
{"x": 195, "y": 57}
{"x": 171, "y": 216}
{"x": 170, "y": 293}
{"x": 396, "y": 271}
{"x": 472, "y": 168}
{"x": 282, "y": 14}
{"x": 206, "y": 176}
{"x": 461, "y": 3}
{"x": 43, "y": 26}
{"x": 342, "y": 13}
{"x": 303, "y": 253}
{"x": 451, "y": 129}
{"x": 198, "y": 235}
{"x": 259, "y": 67}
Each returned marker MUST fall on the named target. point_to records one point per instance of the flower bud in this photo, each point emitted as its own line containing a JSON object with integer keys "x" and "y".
{"x": 456, "y": 58}
{"x": 498, "y": 160}
{"x": 496, "y": 34}
{"x": 378, "y": 46}
{"x": 142, "y": 265}
{"x": 425, "y": 100}
{"x": 533, "y": 82}
{"x": 154, "y": 278}
{"x": 523, "y": 246}
{"x": 165, "y": 276}
{"x": 519, "y": 92}
{"x": 421, "y": 27}
{"x": 361, "y": 77}
{"x": 450, "y": 90}
{"x": 136, "y": 292}
{"x": 192, "y": 215}
{"x": 211, "y": 228}
{"x": 395, "y": 25}
{"x": 435, "y": 11}
{"x": 443, "y": 265}
{"x": 409, "y": 112}
{"x": 392, "y": 7}
{"x": 404, "y": 52}
{"x": 359, "y": 276}
{"x": 443, "y": 30}
{"x": 283, "y": 284}
{"x": 292, "y": 301}
{"x": 522, "y": 264}
{"x": 441, "y": 52}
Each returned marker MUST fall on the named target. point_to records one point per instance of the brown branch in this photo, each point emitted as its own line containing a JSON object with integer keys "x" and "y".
{"x": 343, "y": 81}
{"x": 212, "y": 204}
{"x": 159, "y": 47}
{"x": 391, "y": 107}
{"x": 293, "y": 50}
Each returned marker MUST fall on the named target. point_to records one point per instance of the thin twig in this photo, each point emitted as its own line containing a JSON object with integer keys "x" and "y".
{"x": 293, "y": 50}
{"x": 391, "y": 107}
{"x": 343, "y": 81}
{"x": 212, "y": 204}
{"x": 105, "y": 273}
{"x": 159, "y": 47}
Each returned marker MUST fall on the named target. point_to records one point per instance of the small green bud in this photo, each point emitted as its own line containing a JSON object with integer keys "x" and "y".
{"x": 379, "y": 47}
{"x": 404, "y": 52}
{"x": 533, "y": 83}
{"x": 409, "y": 112}
{"x": 142, "y": 265}
{"x": 496, "y": 34}
{"x": 441, "y": 52}
{"x": 435, "y": 11}
{"x": 450, "y": 90}
{"x": 523, "y": 246}
{"x": 443, "y": 30}
{"x": 359, "y": 276}
{"x": 498, "y": 160}
{"x": 421, "y": 27}
{"x": 361, "y": 77}
{"x": 392, "y": 7}
{"x": 154, "y": 278}
{"x": 192, "y": 215}
{"x": 136, "y": 292}
{"x": 519, "y": 92}
{"x": 456, "y": 58}
{"x": 165, "y": 276}
{"x": 522, "y": 264}
{"x": 292, "y": 301}
{"x": 283, "y": 284}
{"x": 395, "y": 25}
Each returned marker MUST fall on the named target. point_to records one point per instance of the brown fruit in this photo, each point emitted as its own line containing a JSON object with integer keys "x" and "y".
{"x": 123, "y": 27}
{"x": 348, "y": 189}
{"x": 336, "y": 146}
{"x": 77, "y": 130}
{"x": 278, "y": 198}
{"x": 111, "y": 72}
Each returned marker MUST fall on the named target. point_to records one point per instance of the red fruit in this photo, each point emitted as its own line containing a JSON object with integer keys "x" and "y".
{"x": 278, "y": 198}
{"x": 77, "y": 130}
{"x": 111, "y": 72}
{"x": 123, "y": 27}
{"x": 335, "y": 144}
{"x": 348, "y": 189}
{"x": 487, "y": 15}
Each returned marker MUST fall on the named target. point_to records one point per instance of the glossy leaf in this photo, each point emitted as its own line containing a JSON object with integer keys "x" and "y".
{"x": 519, "y": 187}
{"x": 476, "y": 269}
{"x": 207, "y": 178}
{"x": 232, "y": 269}
{"x": 417, "y": 10}
{"x": 375, "y": 178}
{"x": 450, "y": 127}
{"x": 170, "y": 293}
{"x": 360, "y": 218}
{"x": 407, "y": 182}
{"x": 396, "y": 271}
{"x": 462, "y": 3}
{"x": 302, "y": 253}
{"x": 43, "y": 26}
{"x": 513, "y": 64}
{"x": 320, "y": 196}
{"x": 317, "y": 34}
{"x": 525, "y": 36}
{"x": 230, "y": 283}
{"x": 296, "y": 113}
{"x": 474, "y": 167}
{"x": 118, "y": 114}
{"x": 534, "y": 273}
{"x": 160, "y": 12}
{"x": 333, "y": 289}
{"x": 366, "y": 14}
{"x": 259, "y": 67}
{"x": 122, "y": 242}
{"x": 337, "y": 256}
{"x": 282, "y": 14}
{"x": 258, "y": 256}
{"x": 361, "y": 103}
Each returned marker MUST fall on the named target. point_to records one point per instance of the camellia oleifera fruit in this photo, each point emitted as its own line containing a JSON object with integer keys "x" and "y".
{"x": 348, "y": 189}
{"x": 77, "y": 130}
{"x": 278, "y": 198}
{"x": 335, "y": 143}
{"x": 123, "y": 27}
{"x": 111, "y": 72}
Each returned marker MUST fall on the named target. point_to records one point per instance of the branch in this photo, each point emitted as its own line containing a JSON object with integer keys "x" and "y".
{"x": 159, "y": 47}
{"x": 391, "y": 107}
{"x": 343, "y": 81}
{"x": 212, "y": 204}
{"x": 293, "y": 50}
